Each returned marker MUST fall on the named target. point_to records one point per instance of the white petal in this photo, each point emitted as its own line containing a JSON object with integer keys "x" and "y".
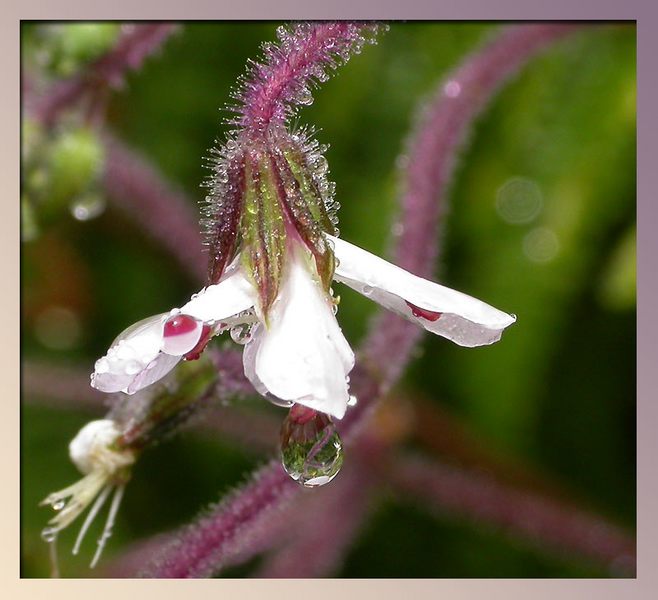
{"x": 136, "y": 348}
{"x": 464, "y": 319}
{"x": 301, "y": 355}
{"x": 230, "y": 296}
{"x": 136, "y": 358}
{"x": 154, "y": 371}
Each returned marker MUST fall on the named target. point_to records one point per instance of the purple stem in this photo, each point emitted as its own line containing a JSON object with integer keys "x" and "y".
{"x": 166, "y": 214}
{"x": 430, "y": 158}
{"x": 206, "y": 545}
{"x": 546, "y": 523}
{"x": 319, "y": 540}
{"x": 136, "y": 43}
{"x": 68, "y": 388}
{"x": 64, "y": 387}
{"x": 275, "y": 87}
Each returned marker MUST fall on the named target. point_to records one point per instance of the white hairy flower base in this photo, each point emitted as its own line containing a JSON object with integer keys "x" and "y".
{"x": 298, "y": 354}
{"x": 91, "y": 451}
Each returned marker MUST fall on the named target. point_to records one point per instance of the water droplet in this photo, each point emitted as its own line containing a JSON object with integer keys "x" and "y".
{"x": 241, "y": 334}
{"x": 304, "y": 96}
{"x": 423, "y": 313}
{"x": 207, "y": 333}
{"x": 58, "y": 505}
{"x": 311, "y": 449}
{"x": 278, "y": 401}
{"x": 320, "y": 165}
{"x": 352, "y": 401}
{"x": 367, "y": 290}
{"x": 181, "y": 334}
{"x": 49, "y": 534}
{"x": 88, "y": 207}
{"x": 452, "y": 89}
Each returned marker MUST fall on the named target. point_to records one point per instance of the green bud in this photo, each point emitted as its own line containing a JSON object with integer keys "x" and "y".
{"x": 72, "y": 46}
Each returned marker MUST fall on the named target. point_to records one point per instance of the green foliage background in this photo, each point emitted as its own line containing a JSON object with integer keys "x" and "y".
{"x": 557, "y": 394}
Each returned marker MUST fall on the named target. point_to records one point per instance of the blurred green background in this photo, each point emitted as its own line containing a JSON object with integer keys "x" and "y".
{"x": 541, "y": 224}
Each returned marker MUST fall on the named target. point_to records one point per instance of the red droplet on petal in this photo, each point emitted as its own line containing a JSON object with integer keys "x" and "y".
{"x": 206, "y": 336}
{"x": 179, "y": 325}
{"x": 422, "y": 313}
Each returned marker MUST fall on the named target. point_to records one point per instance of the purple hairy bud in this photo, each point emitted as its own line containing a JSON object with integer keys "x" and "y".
{"x": 268, "y": 184}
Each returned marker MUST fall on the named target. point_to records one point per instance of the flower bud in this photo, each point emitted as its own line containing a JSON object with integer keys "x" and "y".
{"x": 267, "y": 190}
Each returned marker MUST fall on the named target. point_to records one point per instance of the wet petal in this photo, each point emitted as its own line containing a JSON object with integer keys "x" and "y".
{"x": 301, "y": 355}
{"x": 230, "y": 296}
{"x": 130, "y": 354}
{"x": 154, "y": 371}
{"x": 441, "y": 310}
{"x": 147, "y": 351}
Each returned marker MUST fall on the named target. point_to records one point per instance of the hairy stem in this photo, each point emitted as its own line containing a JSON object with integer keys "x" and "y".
{"x": 324, "y": 527}
{"x": 167, "y": 215}
{"x": 430, "y": 159}
{"x": 547, "y": 524}
{"x": 274, "y": 88}
{"x": 136, "y": 43}
{"x": 201, "y": 548}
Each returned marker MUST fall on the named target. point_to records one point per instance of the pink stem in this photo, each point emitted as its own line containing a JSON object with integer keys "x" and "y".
{"x": 135, "y": 44}
{"x": 324, "y": 528}
{"x": 430, "y": 160}
{"x": 545, "y": 523}
{"x": 201, "y": 548}
{"x": 272, "y": 89}
{"x": 135, "y": 187}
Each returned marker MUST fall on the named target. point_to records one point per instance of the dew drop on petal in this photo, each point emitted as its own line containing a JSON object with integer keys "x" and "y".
{"x": 422, "y": 313}
{"x": 311, "y": 449}
{"x": 58, "y": 505}
{"x": 181, "y": 334}
{"x": 241, "y": 334}
{"x": 278, "y": 401}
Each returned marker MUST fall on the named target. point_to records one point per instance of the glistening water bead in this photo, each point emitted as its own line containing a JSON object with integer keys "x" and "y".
{"x": 311, "y": 449}
{"x": 181, "y": 334}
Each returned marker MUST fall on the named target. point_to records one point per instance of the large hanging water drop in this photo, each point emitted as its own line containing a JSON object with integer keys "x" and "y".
{"x": 311, "y": 449}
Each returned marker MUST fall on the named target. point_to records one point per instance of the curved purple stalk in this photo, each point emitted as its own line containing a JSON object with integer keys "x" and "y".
{"x": 274, "y": 88}
{"x": 430, "y": 158}
{"x": 136, "y": 43}
{"x": 543, "y": 522}
{"x": 136, "y": 188}
{"x": 318, "y": 541}
{"x": 63, "y": 387}
{"x": 205, "y": 545}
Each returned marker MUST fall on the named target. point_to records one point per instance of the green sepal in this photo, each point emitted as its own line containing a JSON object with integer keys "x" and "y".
{"x": 263, "y": 228}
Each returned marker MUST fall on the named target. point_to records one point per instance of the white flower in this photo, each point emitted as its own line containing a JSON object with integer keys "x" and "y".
{"x": 297, "y": 352}
{"x": 104, "y": 468}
